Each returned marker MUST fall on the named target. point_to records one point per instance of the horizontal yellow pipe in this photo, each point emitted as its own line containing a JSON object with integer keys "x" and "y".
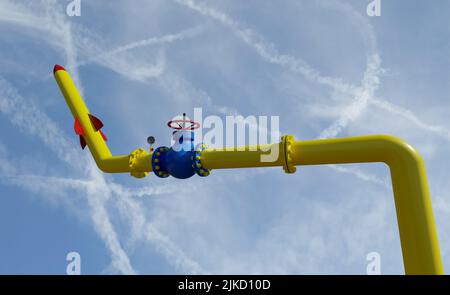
{"x": 419, "y": 242}
{"x": 244, "y": 157}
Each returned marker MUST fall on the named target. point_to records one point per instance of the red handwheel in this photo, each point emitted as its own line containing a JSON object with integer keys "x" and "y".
{"x": 183, "y": 124}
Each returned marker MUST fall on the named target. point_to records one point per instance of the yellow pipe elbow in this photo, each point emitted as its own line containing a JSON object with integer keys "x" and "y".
{"x": 420, "y": 246}
{"x": 419, "y": 242}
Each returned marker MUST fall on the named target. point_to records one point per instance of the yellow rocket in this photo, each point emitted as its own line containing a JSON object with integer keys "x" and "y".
{"x": 87, "y": 127}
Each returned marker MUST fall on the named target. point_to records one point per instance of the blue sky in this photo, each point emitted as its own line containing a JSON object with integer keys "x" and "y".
{"x": 325, "y": 67}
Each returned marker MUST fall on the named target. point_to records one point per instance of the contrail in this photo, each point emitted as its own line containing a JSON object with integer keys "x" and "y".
{"x": 109, "y": 58}
{"x": 31, "y": 119}
{"x": 409, "y": 115}
{"x": 170, "y": 38}
{"x": 362, "y": 98}
{"x": 27, "y": 117}
{"x": 267, "y": 51}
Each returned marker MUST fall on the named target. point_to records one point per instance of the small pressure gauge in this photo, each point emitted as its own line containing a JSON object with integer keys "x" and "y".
{"x": 151, "y": 140}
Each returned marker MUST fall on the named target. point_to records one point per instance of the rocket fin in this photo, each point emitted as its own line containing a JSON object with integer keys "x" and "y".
{"x": 78, "y": 128}
{"x": 96, "y": 122}
{"x": 103, "y": 135}
{"x": 82, "y": 142}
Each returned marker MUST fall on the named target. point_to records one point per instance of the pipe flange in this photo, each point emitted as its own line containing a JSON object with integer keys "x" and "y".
{"x": 197, "y": 163}
{"x": 158, "y": 158}
{"x": 132, "y": 163}
{"x": 286, "y": 154}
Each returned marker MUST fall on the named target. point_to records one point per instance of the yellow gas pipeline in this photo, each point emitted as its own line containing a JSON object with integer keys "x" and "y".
{"x": 419, "y": 242}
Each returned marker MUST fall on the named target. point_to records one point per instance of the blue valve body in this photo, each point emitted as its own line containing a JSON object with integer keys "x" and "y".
{"x": 180, "y": 160}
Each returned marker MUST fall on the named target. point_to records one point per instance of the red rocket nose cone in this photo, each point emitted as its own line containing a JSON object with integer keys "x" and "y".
{"x": 58, "y": 68}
